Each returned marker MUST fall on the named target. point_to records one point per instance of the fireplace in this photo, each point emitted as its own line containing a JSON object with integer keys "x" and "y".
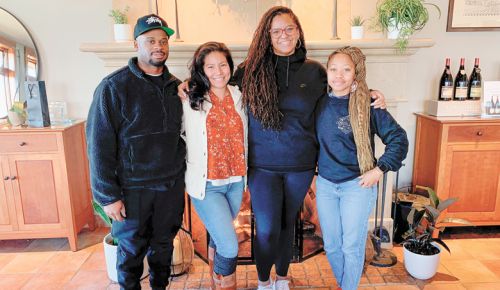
{"x": 307, "y": 240}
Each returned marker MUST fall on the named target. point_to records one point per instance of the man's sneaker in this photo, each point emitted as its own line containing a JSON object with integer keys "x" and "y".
{"x": 281, "y": 285}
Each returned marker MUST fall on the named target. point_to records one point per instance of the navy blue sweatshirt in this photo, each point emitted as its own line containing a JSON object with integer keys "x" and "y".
{"x": 338, "y": 161}
{"x": 301, "y": 84}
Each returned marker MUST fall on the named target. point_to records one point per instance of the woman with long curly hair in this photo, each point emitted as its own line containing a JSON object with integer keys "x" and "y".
{"x": 348, "y": 172}
{"x": 215, "y": 124}
{"x": 281, "y": 88}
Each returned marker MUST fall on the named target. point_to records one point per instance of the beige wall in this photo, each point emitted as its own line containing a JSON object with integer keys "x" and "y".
{"x": 59, "y": 28}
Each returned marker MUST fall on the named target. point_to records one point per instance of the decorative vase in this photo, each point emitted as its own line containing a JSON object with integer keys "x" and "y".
{"x": 392, "y": 29}
{"x": 15, "y": 119}
{"x": 421, "y": 266}
{"x": 357, "y": 32}
{"x": 123, "y": 32}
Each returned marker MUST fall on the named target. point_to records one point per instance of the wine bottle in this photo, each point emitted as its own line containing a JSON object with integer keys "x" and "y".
{"x": 474, "y": 92}
{"x": 460, "y": 89}
{"x": 446, "y": 83}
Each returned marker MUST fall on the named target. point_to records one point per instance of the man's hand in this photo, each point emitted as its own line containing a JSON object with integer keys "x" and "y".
{"x": 379, "y": 99}
{"x": 182, "y": 90}
{"x": 116, "y": 210}
{"x": 371, "y": 177}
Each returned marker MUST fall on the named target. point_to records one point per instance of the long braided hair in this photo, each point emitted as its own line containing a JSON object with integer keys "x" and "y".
{"x": 260, "y": 88}
{"x": 359, "y": 108}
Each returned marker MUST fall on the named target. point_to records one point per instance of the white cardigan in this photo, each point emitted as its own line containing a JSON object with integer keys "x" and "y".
{"x": 195, "y": 127}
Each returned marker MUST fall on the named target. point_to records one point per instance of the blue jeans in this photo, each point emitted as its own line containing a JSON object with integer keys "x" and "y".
{"x": 217, "y": 212}
{"x": 343, "y": 210}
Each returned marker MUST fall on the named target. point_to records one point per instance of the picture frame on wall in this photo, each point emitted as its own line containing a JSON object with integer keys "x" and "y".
{"x": 473, "y": 15}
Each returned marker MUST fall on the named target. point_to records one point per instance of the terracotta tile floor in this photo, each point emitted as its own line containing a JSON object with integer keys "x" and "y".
{"x": 49, "y": 264}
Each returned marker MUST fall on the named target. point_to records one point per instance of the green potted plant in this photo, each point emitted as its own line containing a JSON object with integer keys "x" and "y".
{"x": 17, "y": 113}
{"x": 402, "y": 18}
{"x": 122, "y": 30}
{"x": 357, "y": 30}
{"x": 420, "y": 247}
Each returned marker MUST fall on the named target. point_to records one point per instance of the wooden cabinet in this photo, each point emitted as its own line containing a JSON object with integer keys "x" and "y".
{"x": 460, "y": 157}
{"x": 44, "y": 189}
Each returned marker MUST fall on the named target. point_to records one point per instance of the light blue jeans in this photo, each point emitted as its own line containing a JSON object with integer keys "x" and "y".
{"x": 217, "y": 211}
{"x": 343, "y": 211}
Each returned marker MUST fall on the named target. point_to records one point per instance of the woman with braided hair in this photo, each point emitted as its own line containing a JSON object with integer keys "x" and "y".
{"x": 348, "y": 172}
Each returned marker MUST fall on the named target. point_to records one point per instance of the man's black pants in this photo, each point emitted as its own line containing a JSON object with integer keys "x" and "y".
{"x": 153, "y": 218}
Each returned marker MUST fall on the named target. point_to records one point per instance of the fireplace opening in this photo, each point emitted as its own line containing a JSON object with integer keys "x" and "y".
{"x": 307, "y": 239}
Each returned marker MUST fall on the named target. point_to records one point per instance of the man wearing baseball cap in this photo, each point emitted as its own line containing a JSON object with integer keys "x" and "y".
{"x": 137, "y": 157}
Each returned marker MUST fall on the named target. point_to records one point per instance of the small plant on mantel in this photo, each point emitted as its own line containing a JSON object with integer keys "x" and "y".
{"x": 425, "y": 226}
{"x": 407, "y": 16}
{"x": 357, "y": 21}
{"x": 119, "y": 16}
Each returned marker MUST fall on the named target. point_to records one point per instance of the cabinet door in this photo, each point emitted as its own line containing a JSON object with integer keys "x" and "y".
{"x": 473, "y": 176}
{"x": 36, "y": 183}
{"x": 7, "y": 207}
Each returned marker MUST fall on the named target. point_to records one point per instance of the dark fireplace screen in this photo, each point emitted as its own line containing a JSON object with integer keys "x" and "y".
{"x": 307, "y": 240}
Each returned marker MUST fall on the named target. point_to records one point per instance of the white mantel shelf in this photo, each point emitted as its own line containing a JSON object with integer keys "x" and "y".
{"x": 115, "y": 54}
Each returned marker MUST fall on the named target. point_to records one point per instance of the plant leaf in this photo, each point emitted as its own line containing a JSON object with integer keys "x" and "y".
{"x": 446, "y": 203}
{"x": 100, "y": 211}
{"x": 433, "y": 211}
{"x": 442, "y": 243}
{"x": 457, "y": 221}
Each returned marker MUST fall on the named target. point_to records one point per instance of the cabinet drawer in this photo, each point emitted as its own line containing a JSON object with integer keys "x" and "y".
{"x": 28, "y": 142}
{"x": 474, "y": 133}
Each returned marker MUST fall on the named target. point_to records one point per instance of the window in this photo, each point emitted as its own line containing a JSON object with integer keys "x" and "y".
{"x": 7, "y": 79}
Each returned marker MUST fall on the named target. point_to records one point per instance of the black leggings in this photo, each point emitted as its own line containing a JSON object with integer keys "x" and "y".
{"x": 276, "y": 199}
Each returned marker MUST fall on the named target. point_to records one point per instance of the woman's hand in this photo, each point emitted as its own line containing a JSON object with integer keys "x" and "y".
{"x": 371, "y": 177}
{"x": 379, "y": 99}
{"x": 182, "y": 90}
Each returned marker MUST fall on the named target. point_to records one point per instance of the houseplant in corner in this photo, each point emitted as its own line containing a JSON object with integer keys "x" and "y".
{"x": 402, "y": 18}
{"x": 122, "y": 30}
{"x": 357, "y": 27}
{"x": 420, "y": 248}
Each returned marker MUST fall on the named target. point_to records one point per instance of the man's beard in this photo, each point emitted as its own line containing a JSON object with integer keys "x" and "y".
{"x": 160, "y": 63}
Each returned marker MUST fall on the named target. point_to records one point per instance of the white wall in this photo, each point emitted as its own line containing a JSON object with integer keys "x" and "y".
{"x": 59, "y": 27}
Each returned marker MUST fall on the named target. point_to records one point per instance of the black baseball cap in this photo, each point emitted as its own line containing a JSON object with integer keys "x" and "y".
{"x": 150, "y": 22}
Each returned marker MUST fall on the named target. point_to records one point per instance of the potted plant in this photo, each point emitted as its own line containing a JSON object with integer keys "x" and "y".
{"x": 421, "y": 245}
{"x": 110, "y": 245}
{"x": 357, "y": 30}
{"x": 402, "y": 18}
{"x": 17, "y": 113}
{"x": 122, "y": 30}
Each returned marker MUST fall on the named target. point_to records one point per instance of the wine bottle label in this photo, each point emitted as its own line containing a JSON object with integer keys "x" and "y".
{"x": 461, "y": 93}
{"x": 446, "y": 93}
{"x": 475, "y": 93}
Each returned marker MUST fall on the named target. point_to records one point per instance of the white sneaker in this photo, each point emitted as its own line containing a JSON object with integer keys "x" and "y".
{"x": 281, "y": 285}
{"x": 270, "y": 286}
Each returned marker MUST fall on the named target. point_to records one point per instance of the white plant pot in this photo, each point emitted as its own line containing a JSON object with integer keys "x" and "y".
{"x": 421, "y": 266}
{"x": 110, "y": 257}
{"x": 392, "y": 30}
{"x": 357, "y": 32}
{"x": 123, "y": 32}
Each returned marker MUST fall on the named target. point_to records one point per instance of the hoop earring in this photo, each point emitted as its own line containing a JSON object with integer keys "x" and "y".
{"x": 299, "y": 44}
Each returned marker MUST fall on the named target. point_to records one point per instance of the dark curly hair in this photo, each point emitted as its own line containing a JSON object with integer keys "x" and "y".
{"x": 198, "y": 82}
{"x": 260, "y": 88}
